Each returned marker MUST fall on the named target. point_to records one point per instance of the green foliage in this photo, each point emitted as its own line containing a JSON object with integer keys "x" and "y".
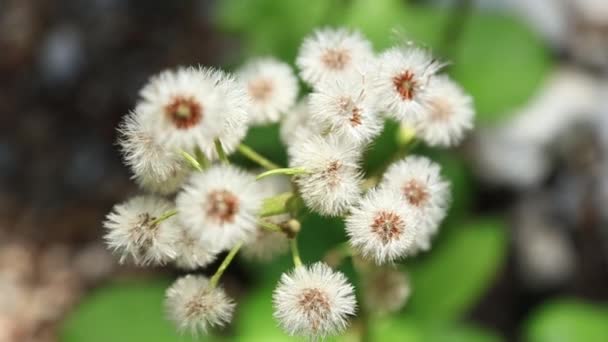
{"x": 449, "y": 280}
{"x": 124, "y": 312}
{"x": 568, "y": 320}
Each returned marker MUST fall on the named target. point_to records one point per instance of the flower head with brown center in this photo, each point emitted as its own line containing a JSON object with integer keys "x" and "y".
{"x": 416, "y": 193}
{"x": 388, "y": 226}
{"x": 184, "y": 112}
{"x": 405, "y": 85}
{"x": 222, "y": 205}
{"x": 336, "y": 58}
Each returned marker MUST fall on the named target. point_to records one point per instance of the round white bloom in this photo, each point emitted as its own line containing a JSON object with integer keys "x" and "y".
{"x": 419, "y": 181}
{"x": 330, "y": 54}
{"x": 314, "y": 301}
{"x": 272, "y": 88}
{"x": 386, "y": 290}
{"x": 332, "y": 182}
{"x": 297, "y": 125}
{"x": 193, "y": 304}
{"x": 269, "y": 244}
{"x": 449, "y": 114}
{"x": 191, "y": 107}
{"x": 192, "y": 252}
{"x": 155, "y": 168}
{"x": 133, "y": 232}
{"x": 220, "y": 205}
{"x": 402, "y": 81}
{"x": 380, "y": 227}
{"x": 347, "y": 110}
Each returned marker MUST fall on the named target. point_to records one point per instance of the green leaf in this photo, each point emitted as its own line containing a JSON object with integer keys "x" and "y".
{"x": 124, "y": 312}
{"x": 568, "y": 320}
{"x": 395, "y": 329}
{"x": 461, "y": 333}
{"x": 461, "y": 265}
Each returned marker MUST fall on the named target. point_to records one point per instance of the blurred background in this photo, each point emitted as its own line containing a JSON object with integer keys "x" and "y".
{"x": 523, "y": 254}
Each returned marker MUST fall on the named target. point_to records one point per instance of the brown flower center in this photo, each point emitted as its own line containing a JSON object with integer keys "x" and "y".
{"x": 440, "y": 110}
{"x": 416, "y": 193}
{"x": 332, "y": 173}
{"x": 222, "y": 206}
{"x": 315, "y": 305}
{"x": 184, "y": 112}
{"x": 349, "y": 107}
{"x": 405, "y": 85}
{"x": 335, "y": 59}
{"x": 260, "y": 89}
{"x": 388, "y": 226}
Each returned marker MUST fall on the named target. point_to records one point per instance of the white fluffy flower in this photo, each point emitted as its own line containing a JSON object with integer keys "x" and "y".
{"x": 191, "y": 107}
{"x": 220, "y": 205}
{"x": 297, "y": 125}
{"x": 448, "y": 116}
{"x": 133, "y": 232}
{"x": 268, "y": 244}
{"x": 386, "y": 290}
{"x": 402, "y": 81}
{"x": 380, "y": 227}
{"x": 332, "y": 182}
{"x": 193, "y": 304}
{"x": 272, "y": 88}
{"x": 331, "y": 54}
{"x": 191, "y": 251}
{"x": 419, "y": 181}
{"x": 314, "y": 301}
{"x": 155, "y": 168}
{"x": 347, "y": 110}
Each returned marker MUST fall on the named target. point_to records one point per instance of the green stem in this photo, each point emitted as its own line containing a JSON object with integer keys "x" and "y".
{"x": 282, "y": 171}
{"x": 276, "y": 205}
{"x": 220, "y": 152}
{"x": 202, "y": 159}
{"x": 224, "y": 265}
{"x": 191, "y": 160}
{"x": 164, "y": 216}
{"x": 252, "y": 155}
{"x": 269, "y": 226}
{"x": 295, "y": 252}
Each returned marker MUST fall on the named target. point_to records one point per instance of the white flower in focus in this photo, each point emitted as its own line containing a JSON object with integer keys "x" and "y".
{"x": 419, "y": 181}
{"x": 448, "y": 116}
{"x": 314, "y": 301}
{"x": 386, "y": 290}
{"x": 155, "y": 168}
{"x": 402, "y": 83}
{"x": 347, "y": 110}
{"x": 381, "y": 228}
{"x": 193, "y": 304}
{"x": 191, "y": 107}
{"x": 133, "y": 232}
{"x": 220, "y": 205}
{"x": 192, "y": 252}
{"x": 269, "y": 244}
{"x": 332, "y": 182}
{"x": 331, "y": 54}
{"x": 272, "y": 88}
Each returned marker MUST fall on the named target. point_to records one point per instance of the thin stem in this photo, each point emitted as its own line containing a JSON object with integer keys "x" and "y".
{"x": 255, "y": 157}
{"x": 191, "y": 160}
{"x": 164, "y": 216}
{"x": 270, "y": 226}
{"x": 224, "y": 265}
{"x": 202, "y": 158}
{"x": 295, "y": 252}
{"x": 282, "y": 171}
{"x": 220, "y": 151}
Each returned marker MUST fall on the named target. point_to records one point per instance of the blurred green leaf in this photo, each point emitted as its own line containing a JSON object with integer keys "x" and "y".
{"x": 461, "y": 265}
{"x": 568, "y": 320}
{"x": 395, "y": 329}
{"x": 128, "y": 312}
{"x": 461, "y": 333}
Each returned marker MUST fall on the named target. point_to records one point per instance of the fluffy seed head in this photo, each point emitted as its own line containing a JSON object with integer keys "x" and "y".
{"x": 380, "y": 227}
{"x": 419, "y": 181}
{"x": 449, "y": 114}
{"x": 192, "y": 304}
{"x": 297, "y": 125}
{"x": 402, "y": 82}
{"x": 332, "y": 182}
{"x": 155, "y": 168}
{"x": 132, "y": 230}
{"x": 192, "y": 252}
{"x": 331, "y": 54}
{"x": 347, "y": 110}
{"x": 220, "y": 205}
{"x": 272, "y": 88}
{"x": 313, "y": 301}
{"x": 386, "y": 290}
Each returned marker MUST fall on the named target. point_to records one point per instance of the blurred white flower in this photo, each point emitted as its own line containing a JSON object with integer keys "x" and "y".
{"x": 386, "y": 290}
{"x": 191, "y": 251}
{"x": 314, "y": 301}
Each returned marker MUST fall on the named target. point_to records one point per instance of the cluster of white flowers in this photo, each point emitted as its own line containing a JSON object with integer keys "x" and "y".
{"x": 197, "y": 205}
